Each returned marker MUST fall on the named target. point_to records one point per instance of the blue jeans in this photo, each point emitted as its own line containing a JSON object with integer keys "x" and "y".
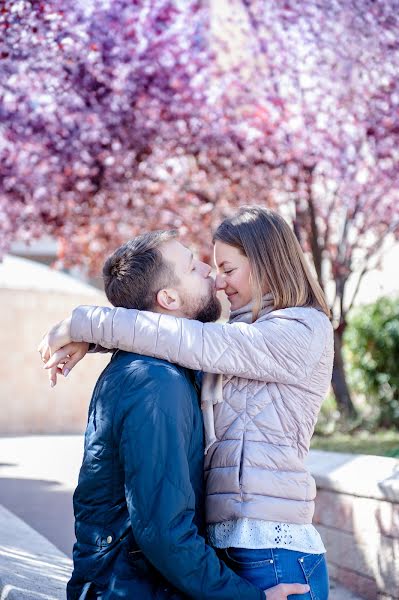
{"x": 267, "y": 568}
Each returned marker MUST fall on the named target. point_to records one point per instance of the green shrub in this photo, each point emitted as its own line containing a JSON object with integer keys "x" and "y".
{"x": 372, "y": 350}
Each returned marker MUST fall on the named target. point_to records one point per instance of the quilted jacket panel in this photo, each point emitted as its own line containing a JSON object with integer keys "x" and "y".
{"x": 277, "y": 372}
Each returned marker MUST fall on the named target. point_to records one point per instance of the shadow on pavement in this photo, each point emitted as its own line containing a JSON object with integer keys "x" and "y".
{"x": 43, "y": 505}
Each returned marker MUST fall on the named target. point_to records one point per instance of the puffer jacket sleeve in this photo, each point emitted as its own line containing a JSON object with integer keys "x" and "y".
{"x": 284, "y": 347}
{"x": 154, "y": 428}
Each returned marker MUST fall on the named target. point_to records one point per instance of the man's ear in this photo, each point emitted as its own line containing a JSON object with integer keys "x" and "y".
{"x": 169, "y": 299}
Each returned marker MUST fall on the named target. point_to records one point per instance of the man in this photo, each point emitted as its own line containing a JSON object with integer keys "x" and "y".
{"x": 139, "y": 502}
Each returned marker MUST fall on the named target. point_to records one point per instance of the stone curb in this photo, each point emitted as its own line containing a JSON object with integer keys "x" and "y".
{"x": 361, "y": 475}
{"x": 31, "y": 567}
{"x": 357, "y": 515}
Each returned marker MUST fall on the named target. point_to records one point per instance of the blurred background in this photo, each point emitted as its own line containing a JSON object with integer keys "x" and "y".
{"x": 118, "y": 117}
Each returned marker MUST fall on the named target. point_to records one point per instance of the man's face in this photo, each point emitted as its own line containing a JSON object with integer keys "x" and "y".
{"x": 195, "y": 287}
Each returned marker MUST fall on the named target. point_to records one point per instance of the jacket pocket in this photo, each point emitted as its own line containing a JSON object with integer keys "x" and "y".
{"x": 158, "y": 587}
{"x": 142, "y": 565}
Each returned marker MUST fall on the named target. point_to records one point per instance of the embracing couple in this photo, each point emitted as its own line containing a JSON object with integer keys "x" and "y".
{"x": 193, "y": 482}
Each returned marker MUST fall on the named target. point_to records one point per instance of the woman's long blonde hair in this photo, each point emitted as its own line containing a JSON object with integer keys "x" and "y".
{"x": 275, "y": 257}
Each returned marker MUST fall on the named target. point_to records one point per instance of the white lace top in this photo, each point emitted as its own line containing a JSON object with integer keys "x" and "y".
{"x": 254, "y": 534}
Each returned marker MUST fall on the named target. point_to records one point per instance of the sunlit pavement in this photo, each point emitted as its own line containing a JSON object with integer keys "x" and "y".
{"x": 30, "y": 566}
{"x": 38, "y": 475}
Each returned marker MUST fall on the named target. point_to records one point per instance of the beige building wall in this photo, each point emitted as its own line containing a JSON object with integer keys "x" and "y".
{"x": 32, "y": 299}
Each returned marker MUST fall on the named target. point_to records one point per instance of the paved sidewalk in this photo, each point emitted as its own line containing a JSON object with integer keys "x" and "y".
{"x": 338, "y": 592}
{"x": 30, "y": 566}
{"x": 37, "y": 477}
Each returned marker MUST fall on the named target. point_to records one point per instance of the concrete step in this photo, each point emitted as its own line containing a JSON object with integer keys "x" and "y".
{"x": 31, "y": 568}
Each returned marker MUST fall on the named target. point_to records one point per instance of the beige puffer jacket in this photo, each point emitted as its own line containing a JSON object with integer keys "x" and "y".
{"x": 277, "y": 372}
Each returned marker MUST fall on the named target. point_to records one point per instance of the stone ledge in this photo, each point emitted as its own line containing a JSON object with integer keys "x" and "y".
{"x": 357, "y": 515}
{"x": 31, "y": 567}
{"x": 346, "y": 512}
{"x": 355, "y": 474}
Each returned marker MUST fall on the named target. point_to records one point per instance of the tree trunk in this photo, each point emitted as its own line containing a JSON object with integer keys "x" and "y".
{"x": 339, "y": 384}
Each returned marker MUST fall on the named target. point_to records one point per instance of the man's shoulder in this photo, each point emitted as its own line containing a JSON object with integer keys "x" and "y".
{"x": 133, "y": 364}
{"x": 141, "y": 385}
{"x": 133, "y": 371}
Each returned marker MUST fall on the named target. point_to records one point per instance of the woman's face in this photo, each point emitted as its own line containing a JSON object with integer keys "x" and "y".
{"x": 233, "y": 274}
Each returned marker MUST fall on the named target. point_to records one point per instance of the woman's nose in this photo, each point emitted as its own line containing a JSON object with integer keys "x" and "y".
{"x": 220, "y": 282}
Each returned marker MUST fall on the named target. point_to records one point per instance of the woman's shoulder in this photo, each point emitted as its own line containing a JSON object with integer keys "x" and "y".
{"x": 304, "y": 329}
{"x": 299, "y": 323}
{"x": 306, "y": 314}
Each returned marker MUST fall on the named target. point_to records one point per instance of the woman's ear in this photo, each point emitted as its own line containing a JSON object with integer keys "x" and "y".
{"x": 168, "y": 299}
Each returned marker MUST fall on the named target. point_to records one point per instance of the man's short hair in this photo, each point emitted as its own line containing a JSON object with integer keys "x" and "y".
{"x": 135, "y": 272}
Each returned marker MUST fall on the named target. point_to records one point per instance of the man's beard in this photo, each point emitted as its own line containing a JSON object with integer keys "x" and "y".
{"x": 207, "y": 310}
{"x": 211, "y": 310}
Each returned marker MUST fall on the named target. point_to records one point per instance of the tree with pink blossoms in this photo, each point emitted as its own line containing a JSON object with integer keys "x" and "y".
{"x": 121, "y": 117}
{"x": 94, "y": 99}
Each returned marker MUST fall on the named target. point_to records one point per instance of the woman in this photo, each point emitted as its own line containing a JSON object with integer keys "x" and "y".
{"x": 266, "y": 374}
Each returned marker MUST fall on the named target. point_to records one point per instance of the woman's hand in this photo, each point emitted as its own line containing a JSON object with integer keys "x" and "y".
{"x": 63, "y": 360}
{"x": 56, "y": 338}
{"x": 283, "y": 590}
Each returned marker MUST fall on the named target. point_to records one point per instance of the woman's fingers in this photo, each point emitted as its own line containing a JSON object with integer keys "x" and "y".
{"x": 52, "y": 375}
{"x": 60, "y": 356}
{"x": 74, "y": 357}
{"x": 56, "y": 338}
{"x": 64, "y": 360}
{"x": 44, "y": 349}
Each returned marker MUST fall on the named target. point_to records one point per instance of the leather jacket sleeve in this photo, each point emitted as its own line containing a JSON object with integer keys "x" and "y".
{"x": 154, "y": 427}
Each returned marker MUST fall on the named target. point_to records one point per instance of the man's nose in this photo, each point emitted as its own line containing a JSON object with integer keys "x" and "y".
{"x": 206, "y": 269}
{"x": 220, "y": 282}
